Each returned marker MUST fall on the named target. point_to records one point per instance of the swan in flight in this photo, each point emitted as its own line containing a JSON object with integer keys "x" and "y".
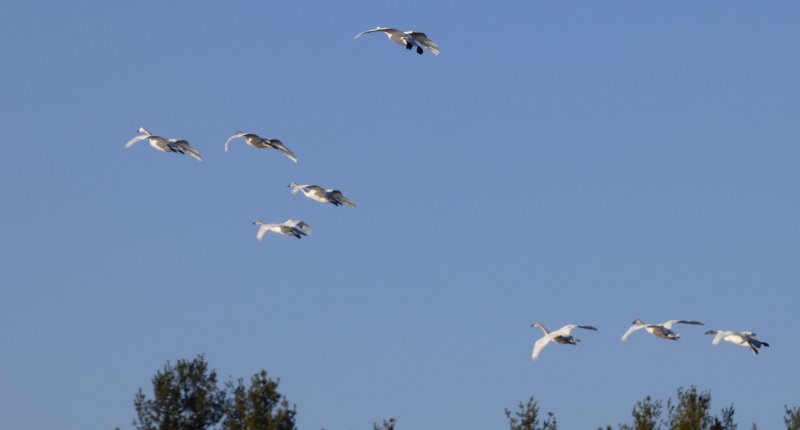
{"x": 409, "y": 39}
{"x": 165, "y": 145}
{"x": 257, "y": 141}
{"x": 741, "y": 338}
{"x": 561, "y": 335}
{"x": 291, "y": 227}
{"x": 663, "y": 330}
{"x": 322, "y": 195}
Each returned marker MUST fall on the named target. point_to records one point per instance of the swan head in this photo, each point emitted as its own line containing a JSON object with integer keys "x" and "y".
{"x": 637, "y": 321}
{"x": 711, "y": 332}
{"x": 292, "y": 185}
{"x": 258, "y": 222}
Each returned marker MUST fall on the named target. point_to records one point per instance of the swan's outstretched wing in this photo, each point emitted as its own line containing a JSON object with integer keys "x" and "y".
{"x": 539, "y": 345}
{"x": 388, "y": 30}
{"x": 720, "y": 335}
{"x": 263, "y": 230}
{"x": 567, "y": 329}
{"x": 298, "y": 224}
{"x": 668, "y": 324}
{"x": 423, "y": 40}
{"x": 338, "y": 196}
{"x": 235, "y": 136}
{"x": 632, "y": 329}
{"x": 136, "y": 139}
{"x": 183, "y": 147}
{"x": 277, "y": 144}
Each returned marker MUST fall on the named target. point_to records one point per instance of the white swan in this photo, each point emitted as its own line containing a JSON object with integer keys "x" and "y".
{"x": 291, "y": 227}
{"x": 257, "y": 141}
{"x": 741, "y": 338}
{"x": 322, "y": 195}
{"x": 561, "y": 335}
{"x": 663, "y": 330}
{"x": 164, "y": 144}
{"x": 409, "y": 39}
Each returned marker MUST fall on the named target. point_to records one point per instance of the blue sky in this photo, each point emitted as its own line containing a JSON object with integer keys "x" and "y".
{"x": 586, "y": 162}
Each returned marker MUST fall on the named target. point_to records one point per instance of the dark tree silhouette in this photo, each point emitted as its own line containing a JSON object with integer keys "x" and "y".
{"x": 258, "y": 407}
{"x": 792, "y": 418}
{"x": 527, "y": 418}
{"x": 185, "y": 397}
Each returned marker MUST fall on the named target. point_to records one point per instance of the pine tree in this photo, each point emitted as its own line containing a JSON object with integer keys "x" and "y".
{"x": 185, "y": 397}
{"x": 792, "y": 418}
{"x": 527, "y": 418}
{"x": 258, "y": 407}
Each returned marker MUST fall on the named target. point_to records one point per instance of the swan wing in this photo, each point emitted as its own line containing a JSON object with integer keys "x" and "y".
{"x": 388, "y": 30}
{"x": 668, "y": 324}
{"x": 539, "y": 345}
{"x": 720, "y": 335}
{"x": 277, "y": 144}
{"x": 184, "y": 147}
{"x": 136, "y": 139}
{"x": 632, "y": 329}
{"x": 298, "y": 224}
{"x": 338, "y": 196}
{"x": 263, "y": 230}
{"x": 423, "y": 40}
{"x": 235, "y": 136}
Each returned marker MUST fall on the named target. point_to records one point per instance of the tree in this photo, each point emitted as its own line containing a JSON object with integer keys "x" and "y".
{"x": 185, "y": 397}
{"x": 527, "y": 418}
{"x": 258, "y": 407}
{"x": 691, "y": 410}
{"x": 646, "y": 415}
{"x": 792, "y": 418}
{"x": 386, "y": 425}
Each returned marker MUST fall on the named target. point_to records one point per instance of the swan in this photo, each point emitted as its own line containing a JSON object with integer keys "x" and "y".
{"x": 561, "y": 335}
{"x": 409, "y": 39}
{"x": 741, "y": 338}
{"x": 663, "y": 330}
{"x": 257, "y": 141}
{"x": 322, "y": 195}
{"x": 291, "y": 227}
{"x": 164, "y": 144}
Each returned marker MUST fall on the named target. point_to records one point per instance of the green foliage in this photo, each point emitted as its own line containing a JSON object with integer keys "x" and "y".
{"x": 690, "y": 411}
{"x": 527, "y": 418}
{"x": 258, "y": 407}
{"x": 792, "y": 418}
{"x": 187, "y": 397}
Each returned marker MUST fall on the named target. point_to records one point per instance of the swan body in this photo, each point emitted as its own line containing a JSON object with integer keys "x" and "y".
{"x": 562, "y": 336}
{"x": 663, "y": 330}
{"x": 291, "y": 227}
{"x": 409, "y": 39}
{"x": 742, "y": 338}
{"x": 257, "y": 141}
{"x": 164, "y": 144}
{"x": 322, "y": 195}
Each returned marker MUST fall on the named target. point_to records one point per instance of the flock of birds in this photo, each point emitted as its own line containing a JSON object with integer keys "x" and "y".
{"x": 291, "y": 227}
{"x": 664, "y": 331}
{"x": 420, "y": 42}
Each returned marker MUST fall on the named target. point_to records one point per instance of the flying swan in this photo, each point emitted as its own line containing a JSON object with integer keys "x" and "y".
{"x": 165, "y": 145}
{"x": 561, "y": 335}
{"x": 291, "y": 227}
{"x": 257, "y": 141}
{"x": 409, "y": 39}
{"x": 663, "y": 330}
{"x": 741, "y": 338}
{"x": 322, "y": 195}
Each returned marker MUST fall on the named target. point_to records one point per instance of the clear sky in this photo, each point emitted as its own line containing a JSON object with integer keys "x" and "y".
{"x": 563, "y": 162}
